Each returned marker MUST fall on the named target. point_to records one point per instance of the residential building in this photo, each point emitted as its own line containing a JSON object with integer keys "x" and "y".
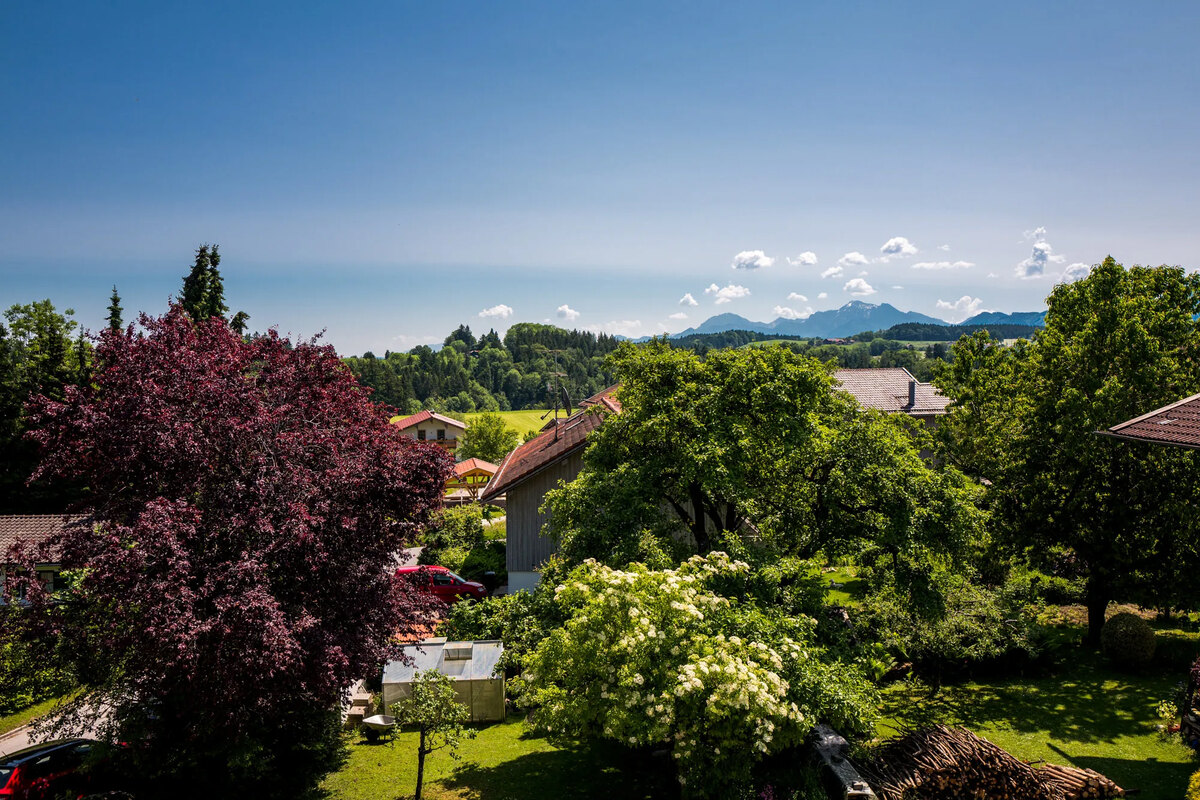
{"x": 430, "y": 426}
{"x": 34, "y": 531}
{"x": 531, "y": 470}
{"x": 894, "y": 390}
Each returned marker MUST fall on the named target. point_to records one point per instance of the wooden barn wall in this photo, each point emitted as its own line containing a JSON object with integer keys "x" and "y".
{"x": 527, "y": 548}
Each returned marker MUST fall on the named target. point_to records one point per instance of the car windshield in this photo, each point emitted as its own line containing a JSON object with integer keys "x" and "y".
{"x": 456, "y": 577}
{"x": 5, "y": 773}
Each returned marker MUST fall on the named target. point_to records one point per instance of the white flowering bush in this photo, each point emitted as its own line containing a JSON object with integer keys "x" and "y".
{"x": 657, "y": 658}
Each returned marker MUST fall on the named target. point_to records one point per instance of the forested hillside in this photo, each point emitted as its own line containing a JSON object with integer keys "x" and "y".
{"x": 488, "y": 374}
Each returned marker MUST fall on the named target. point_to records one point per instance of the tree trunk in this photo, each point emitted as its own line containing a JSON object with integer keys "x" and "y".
{"x": 420, "y": 765}
{"x": 1098, "y": 598}
{"x": 699, "y": 521}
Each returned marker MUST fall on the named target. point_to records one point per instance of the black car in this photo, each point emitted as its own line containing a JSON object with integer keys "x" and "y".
{"x": 63, "y": 768}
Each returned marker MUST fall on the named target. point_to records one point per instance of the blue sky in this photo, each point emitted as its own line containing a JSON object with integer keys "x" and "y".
{"x": 387, "y": 172}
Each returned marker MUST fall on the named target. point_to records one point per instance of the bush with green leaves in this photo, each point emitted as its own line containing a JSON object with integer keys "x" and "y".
{"x": 661, "y": 658}
{"x": 1127, "y": 639}
{"x": 1193, "y": 787}
{"x": 459, "y": 528}
{"x": 956, "y": 626}
{"x": 487, "y": 557}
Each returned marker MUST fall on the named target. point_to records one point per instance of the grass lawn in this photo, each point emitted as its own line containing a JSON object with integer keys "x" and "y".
{"x": 505, "y": 762}
{"x": 16, "y": 720}
{"x": 521, "y": 421}
{"x": 1088, "y": 715}
{"x": 852, "y": 590}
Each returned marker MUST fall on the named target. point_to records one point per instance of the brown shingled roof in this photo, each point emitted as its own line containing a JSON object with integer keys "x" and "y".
{"x": 547, "y": 447}
{"x": 33, "y": 529}
{"x": 1177, "y": 424}
{"x": 887, "y": 390}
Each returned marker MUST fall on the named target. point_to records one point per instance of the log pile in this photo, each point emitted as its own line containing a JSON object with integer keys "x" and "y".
{"x": 942, "y": 763}
{"x": 1076, "y": 783}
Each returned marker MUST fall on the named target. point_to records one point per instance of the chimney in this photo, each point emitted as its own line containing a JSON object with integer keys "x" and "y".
{"x": 912, "y": 394}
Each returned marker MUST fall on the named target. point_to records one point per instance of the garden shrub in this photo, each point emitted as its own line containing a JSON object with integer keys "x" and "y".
{"x": 1127, "y": 639}
{"x": 657, "y": 658}
{"x": 29, "y": 674}
{"x": 1193, "y": 788}
{"x": 971, "y": 627}
{"x": 458, "y": 528}
{"x": 487, "y": 557}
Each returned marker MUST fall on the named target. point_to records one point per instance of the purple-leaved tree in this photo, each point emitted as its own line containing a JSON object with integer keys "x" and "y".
{"x": 247, "y": 499}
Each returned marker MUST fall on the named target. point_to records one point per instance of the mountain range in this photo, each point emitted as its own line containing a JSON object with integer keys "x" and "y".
{"x": 854, "y": 317}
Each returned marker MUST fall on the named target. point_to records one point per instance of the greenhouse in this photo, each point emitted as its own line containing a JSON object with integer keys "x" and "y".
{"x": 477, "y": 683}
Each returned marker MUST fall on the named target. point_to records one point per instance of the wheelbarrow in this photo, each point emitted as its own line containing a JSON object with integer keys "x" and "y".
{"x": 379, "y": 725}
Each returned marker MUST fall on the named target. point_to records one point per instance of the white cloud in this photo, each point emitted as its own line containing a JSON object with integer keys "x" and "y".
{"x": 960, "y": 309}
{"x": 897, "y": 247}
{"x": 897, "y": 288}
{"x": 730, "y": 292}
{"x": 863, "y": 273}
{"x": 1037, "y": 233}
{"x": 567, "y": 313}
{"x": 497, "y": 312}
{"x": 854, "y": 259}
{"x": 688, "y": 300}
{"x": 832, "y": 272}
{"x": 751, "y": 259}
{"x": 806, "y": 259}
{"x": 1076, "y": 271}
{"x": 623, "y": 327}
{"x": 858, "y": 287}
{"x": 943, "y": 265}
{"x": 1043, "y": 254}
{"x": 796, "y": 296}
{"x": 823, "y": 295}
{"x": 678, "y": 315}
{"x": 992, "y": 275}
{"x": 791, "y": 313}
{"x": 945, "y": 247}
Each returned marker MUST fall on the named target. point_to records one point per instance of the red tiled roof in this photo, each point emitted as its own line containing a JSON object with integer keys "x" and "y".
{"x": 606, "y": 396}
{"x": 463, "y": 467}
{"x": 33, "y": 529}
{"x": 887, "y": 390}
{"x": 546, "y": 448}
{"x": 1177, "y": 424}
{"x": 421, "y": 416}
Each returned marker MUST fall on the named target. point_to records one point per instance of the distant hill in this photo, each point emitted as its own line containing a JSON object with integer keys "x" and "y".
{"x": 1035, "y": 318}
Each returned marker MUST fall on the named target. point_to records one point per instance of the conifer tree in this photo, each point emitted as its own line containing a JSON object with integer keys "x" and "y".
{"x": 115, "y": 322}
{"x": 203, "y": 290}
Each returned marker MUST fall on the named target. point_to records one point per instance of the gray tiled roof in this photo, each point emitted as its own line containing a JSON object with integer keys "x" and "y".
{"x": 887, "y": 389}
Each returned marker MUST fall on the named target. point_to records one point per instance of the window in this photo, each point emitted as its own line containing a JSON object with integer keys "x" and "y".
{"x": 421, "y": 434}
{"x": 441, "y": 579}
{"x": 441, "y": 433}
{"x": 46, "y": 578}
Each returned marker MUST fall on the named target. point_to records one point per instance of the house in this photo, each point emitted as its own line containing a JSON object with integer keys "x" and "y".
{"x": 35, "y": 530}
{"x": 894, "y": 390}
{"x": 430, "y": 426}
{"x": 470, "y": 478}
{"x": 1177, "y": 424}
{"x": 531, "y": 470}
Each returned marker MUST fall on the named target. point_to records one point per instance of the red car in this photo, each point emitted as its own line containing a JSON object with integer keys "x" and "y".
{"x": 51, "y": 770}
{"x": 442, "y": 583}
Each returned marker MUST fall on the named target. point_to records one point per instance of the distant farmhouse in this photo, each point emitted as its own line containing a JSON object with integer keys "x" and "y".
{"x": 430, "y": 426}
{"x": 534, "y": 468}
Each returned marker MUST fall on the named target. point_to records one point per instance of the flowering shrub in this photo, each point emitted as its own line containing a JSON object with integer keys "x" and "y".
{"x": 657, "y": 658}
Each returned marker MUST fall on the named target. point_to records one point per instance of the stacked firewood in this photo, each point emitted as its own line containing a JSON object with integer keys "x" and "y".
{"x": 1076, "y": 783}
{"x": 942, "y": 763}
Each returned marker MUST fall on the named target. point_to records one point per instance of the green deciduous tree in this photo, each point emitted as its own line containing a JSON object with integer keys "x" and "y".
{"x": 488, "y": 437}
{"x": 436, "y": 714}
{"x": 1117, "y": 344}
{"x": 751, "y": 451}
{"x": 39, "y": 354}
